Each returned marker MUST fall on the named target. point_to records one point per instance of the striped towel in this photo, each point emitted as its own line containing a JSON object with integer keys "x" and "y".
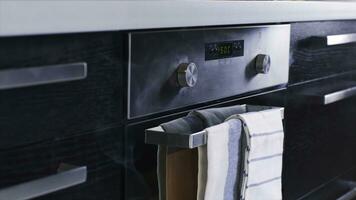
{"x": 218, "y": 167}
{"x": 177, "y": 169}
{"x": 263, "y": 150}
{"x": 219, "y": 162}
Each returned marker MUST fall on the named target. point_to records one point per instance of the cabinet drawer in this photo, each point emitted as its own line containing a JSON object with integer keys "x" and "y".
{"x": 59, "y": 85}
{"x": 88, "y": 166}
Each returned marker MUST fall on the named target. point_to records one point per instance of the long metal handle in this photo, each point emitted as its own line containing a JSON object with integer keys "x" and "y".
{"x": 329, "y": 40}
{"x": 190, "y": 141}
{"x": 158, "y": 137}
{"x": 45, "y": 185}
{"x": 339, "y": 95}
{"x": 349, "y": 195}
{"x": 340, "y": 39}
{"x": 327, "y": 92}
{"x": 24, "y": 77}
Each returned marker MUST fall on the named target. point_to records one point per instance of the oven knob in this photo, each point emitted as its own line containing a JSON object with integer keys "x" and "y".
{"x": 263, "y": 63}
{"x": 187, "y": 75}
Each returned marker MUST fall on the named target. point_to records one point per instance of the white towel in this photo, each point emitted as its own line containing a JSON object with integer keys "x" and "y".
{"x": 194, "y": 122}
{"x": 218, "y": 174}
{"x": 263, "y": 154}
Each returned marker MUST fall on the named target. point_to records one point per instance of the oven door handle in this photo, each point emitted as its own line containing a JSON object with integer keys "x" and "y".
{"x": 35, "y": 188}
{"x": 157, "y": 136}
{"x": 31, "y": 76}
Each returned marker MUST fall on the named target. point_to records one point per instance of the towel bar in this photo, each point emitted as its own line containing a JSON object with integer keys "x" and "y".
{"x": 158, "y": 137}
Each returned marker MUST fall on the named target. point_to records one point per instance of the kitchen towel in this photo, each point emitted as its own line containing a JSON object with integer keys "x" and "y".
{"x": 219, "y": 161}
{"x": 263, "y": 150}
{"x": 177, "y": 169}
{"x": 214, "y": 116}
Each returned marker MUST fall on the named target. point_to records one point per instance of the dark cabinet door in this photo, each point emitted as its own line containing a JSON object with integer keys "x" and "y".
{"x": 59, "y": 85}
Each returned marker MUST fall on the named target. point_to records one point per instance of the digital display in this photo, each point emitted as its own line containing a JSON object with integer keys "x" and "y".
{"x": 227, "y": 49}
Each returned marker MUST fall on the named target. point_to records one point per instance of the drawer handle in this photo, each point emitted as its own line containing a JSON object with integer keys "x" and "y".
{"x": 25, "y": 77}
{"x": 326, "y": 93}
{"x": 349, "y": 195}
{"x": 329, "y": 40}
{"x": 158, "y": 137}
{"x": 339, "y": 95}
{"x": 46, "y": 185}
{"x": 340, "y": 39}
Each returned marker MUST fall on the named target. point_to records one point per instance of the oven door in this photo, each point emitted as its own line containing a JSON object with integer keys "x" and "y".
{"x": 141, "y": 154}
{"x": 318, "y": 161}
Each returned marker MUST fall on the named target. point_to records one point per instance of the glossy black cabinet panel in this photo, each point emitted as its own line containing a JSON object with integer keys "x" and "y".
{"x": 100, "y": 152}
{"x": 31, "y": 114}
{"x": 311, "y": 59}
{"x": 141, "y": 169}
{"x": 319, "y": 144}
{"x": 319, "y": 139}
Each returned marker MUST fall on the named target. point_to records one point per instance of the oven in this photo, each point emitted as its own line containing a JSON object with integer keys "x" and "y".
{"x": 172, "y": 72}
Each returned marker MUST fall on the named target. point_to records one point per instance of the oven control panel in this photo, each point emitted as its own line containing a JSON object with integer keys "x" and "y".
{"x": 176, "y": 68}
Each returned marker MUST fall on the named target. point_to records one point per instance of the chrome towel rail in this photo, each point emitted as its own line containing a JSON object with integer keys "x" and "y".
{"x": 157, "y": 136}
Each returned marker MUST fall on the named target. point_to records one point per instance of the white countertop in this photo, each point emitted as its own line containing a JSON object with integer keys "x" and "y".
{"x": 30, "y": 17}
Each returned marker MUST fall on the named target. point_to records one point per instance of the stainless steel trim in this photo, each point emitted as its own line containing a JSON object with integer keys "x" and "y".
{"x": 129, "y": 76}
{"x": 45, "y": 185}
{"x": 25, "y": 77}
{"x": 158, "y": 137}
{"x": 190, "y": 141}
{"x": 349, "y": 195}
{"x": 131, "y": 65}
{"x": 339, "y": 95}
{"x": 340, "y": 39}
{"x": 326, "y": 93}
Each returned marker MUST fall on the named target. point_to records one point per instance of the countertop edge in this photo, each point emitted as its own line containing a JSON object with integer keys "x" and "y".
{"x": 36, "y": 17}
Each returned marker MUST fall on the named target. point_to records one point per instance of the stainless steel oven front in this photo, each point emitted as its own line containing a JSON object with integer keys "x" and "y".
{"x": 171, "y": 72}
